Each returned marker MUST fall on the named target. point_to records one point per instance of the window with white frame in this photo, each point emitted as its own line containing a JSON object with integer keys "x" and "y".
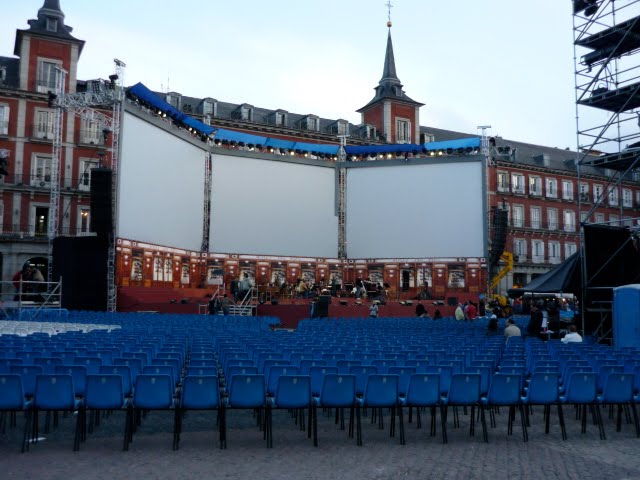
{"x": 599, "y": 217}
{"x": 583, "y": 217}
{"x": 84, "y": 220}
{"x": 4, "y": 119}
{"x": 614, "y": 220}
{"x": 552, "y": 219}
{"x": 281, "y": 119}
{"x": 552, "y": 187}
{"x": 312, "y": 124}
{"x": 371, "y": 132}
{"x": 517, "y": 183}
{"x": 597, "y": 192}
{"x": 517, "y": 216}
{"x": 46, "y": 75}
{"x": 569, "y": 249}
{"x": 569, "y": 220}
{"x": 403, "y": 131}
{"x": 584, "y": 192}
{"x": 52, "y": 24}
{"x": 567, "y": 190}
{"x": 208, "y": 107}
{"x": 343, "y": 127}
{"x": 627, "y": 200}
{"x": 554, "y": 252}
{"x": 41, "y": 170}
{"x": 520, "y": 249}
{"x": 613, "y": 196}
{"x": 84, "y": 174}
{"x": 535, "y": 217}
{"x": 246, "y": 113}
{"x": 503, "y": 182}
{"x": 537, "y": 251}
{"x": 43, "y": 127}
{"x": 638, "y": 198}
{"x": 90, "y": 132}
{"x": 535, "y": 186}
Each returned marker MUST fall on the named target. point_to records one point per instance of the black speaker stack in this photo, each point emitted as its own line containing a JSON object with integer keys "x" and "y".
{"x": 499, "y": 221}
{"x": 101, "y": 202}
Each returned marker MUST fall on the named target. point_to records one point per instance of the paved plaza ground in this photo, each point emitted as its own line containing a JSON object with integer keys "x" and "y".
{"x": 337, "y": 456}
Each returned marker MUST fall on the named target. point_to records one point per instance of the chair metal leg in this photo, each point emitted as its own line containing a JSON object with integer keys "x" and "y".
{"x": 443, "y": 421}
{"x": 432, "y": 432}
{"x": 358, "y": 427}
{"x": 401, "y": 421}
{"x": 619, "y": 419}
{"x": 635, "y": 419}
{"x": 547, "y": 412}
{"x": 27, "y": 425}
{"x": 472, "y": 425}
{"x": 598, "y": 416}
{"x": 563, "y": 429}
{"x": 485, "y": 434}
{"x": 314, "y": 411}
{"x": 523, "y": 421}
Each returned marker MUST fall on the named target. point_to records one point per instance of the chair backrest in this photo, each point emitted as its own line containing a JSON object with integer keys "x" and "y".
{"x": 306, "y": 364}
{"x": 275, "y": 373}
{"x": 485, "y": 377}
{"x": 124, "y": 371}
{"x": 160, "y": 370}
{"x": 11, "y": 392}
{"x": 54, "y": 392}
{"x": 92, "y": 363}
{"x": 134, "y": 364}
{"x": 362, "y": 373}
{"x": 404, "y": 375}
{"x": 618, "y": 388}
{"x": 317, "y": 374}
{"x": 605, "y": 371}
{"x": 419, "y": 365}
{"x": 338, "y": 390}
{"x": 202, "y": 371}
{"x": 28, "y": 373}
{"x": 381, "y": 390}
{"x": 423, "y": 390}
{"x": 504, "y": 390}
{"x": 543, "y": 388}
{"x": 294, "y": 391}
{"x": 48, "y": 364}
{"x": 445, "y": 372}
{"x": 104, "y": 392}
{"x": 153, "y": 391}
{"x": 247, "y": 391}
{"x": 581, "y": 387}
{"x": 345, "y": 365}
{"x": 200, "y": 392}
{"x": 464, "y": 389}
{"x": 383, "y": 364}
{"x": 79, "y": 375}
{"x": 199, "y": 362}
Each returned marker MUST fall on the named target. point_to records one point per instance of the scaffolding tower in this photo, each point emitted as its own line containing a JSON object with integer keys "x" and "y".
{"x": 607, "y": 86}
{"x": 101, "y": 94}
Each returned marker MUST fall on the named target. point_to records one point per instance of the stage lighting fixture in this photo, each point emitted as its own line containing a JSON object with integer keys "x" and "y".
{"x": 432, "y": 153}
{"x": 164, "y": 115}
{"x": 440, "y": 153}
{"x": 292, "y": 153}
{"x": 159, "y": 112}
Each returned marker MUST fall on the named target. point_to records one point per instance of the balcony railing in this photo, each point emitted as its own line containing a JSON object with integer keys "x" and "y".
{"x": 44, "y": 85}
{"x": 90, "y": 137}
{"x": 552, "y": 225}
{"x": 40, "y": 182}
{"x": 554, "y": 259}
{"x": 42, "y": 132}
{"x": 38, "y": 232}
{"x": 537, "y": 258}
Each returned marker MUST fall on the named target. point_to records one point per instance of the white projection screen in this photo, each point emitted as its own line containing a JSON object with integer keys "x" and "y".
{"x": 416, "y": 211}
{"x": 267, "y": 207}
{"x": 161, "y": 187}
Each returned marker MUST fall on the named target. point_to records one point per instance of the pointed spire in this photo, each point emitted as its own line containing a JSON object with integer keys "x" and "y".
{"x": 51, "y": 8}
{"x": 389, "y": 72}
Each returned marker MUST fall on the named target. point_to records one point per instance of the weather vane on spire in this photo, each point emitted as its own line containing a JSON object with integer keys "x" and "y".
{"x": 389, "y": 6}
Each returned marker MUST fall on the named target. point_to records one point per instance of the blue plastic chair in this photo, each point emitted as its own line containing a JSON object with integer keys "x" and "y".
{"x": 362, "y": 373}
{"x": 152, "y": 392}
{"x": 382, "y": 392}
{"x": 339, "y": 392}
{"x": 275, "y": 373}
{"x": 424, "y": 391}
{"x": 202, "y": 371}
{"x": 48, "y": 364}
{"x": 93, "y": 364}
{"x": 125, "y": 373}
{"x": 317, "y": 374}
{"x": 465, "y": 391}
{"x": 505, "y": 391}
{"x": 618, "y": 390}
{"x": 201, "y": 393}
{"x": 12, "y": 401}
{"x": 105, "y": 392}
{"x": 294, "y": 392}
{"x": 581, "y": 390}
{"x": 248, "y": 391}
{"x": 28, "y": 374}
{"x": 79, "y": 375}
{"x": 54, "y": 392}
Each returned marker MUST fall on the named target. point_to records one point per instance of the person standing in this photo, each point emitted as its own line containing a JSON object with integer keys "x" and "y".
{"x": 225, "y": 303}
{"x": 470, "y": 311}
{"x": 373, "y": 309}
{"x": 459, "y": 312}
{"x": 535, "y": 322}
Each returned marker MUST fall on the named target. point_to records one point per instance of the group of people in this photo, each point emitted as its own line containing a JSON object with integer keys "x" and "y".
{"x": 466, "y": 311}
{"x": 29, "y": 283}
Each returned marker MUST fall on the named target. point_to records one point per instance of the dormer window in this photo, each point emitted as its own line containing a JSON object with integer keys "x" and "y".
{"x": 52, "y": 24}
{"x": 174, "y": 99}
{"x": 246, "y": 113}
{"x": 281, "y": 119}
{"x": 343, "y": 127}
{"x": 371, "y": 132}
{"x": 310, "y": 122}
{"x": 209, "y": 107}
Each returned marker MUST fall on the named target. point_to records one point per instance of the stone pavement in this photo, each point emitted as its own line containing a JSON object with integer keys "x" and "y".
{"x": 337, "y": 456}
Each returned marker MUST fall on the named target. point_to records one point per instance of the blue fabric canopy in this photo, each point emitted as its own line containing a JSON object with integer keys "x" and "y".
{"x": 378, "y": 149}
{"x": 246, "y": 138}
{"x": 473, "y": 142}
{"x": 147, "y": 96}
{"x": 317, "y": 147}
{"x": 282, "y": 144}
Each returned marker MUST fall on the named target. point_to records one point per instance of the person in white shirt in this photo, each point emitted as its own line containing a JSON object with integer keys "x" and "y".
{"x": 459, "y": 312}
{"x": 573, "y": 336}
{"x": 511, "y": 330}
